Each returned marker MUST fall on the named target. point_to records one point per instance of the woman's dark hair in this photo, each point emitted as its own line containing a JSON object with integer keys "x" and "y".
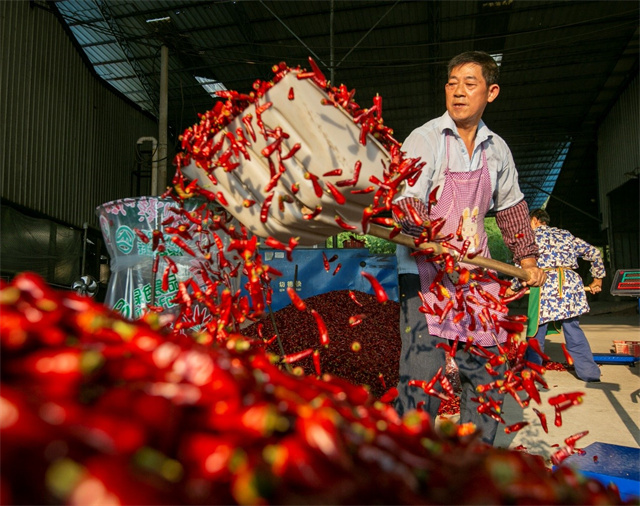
{"x": 490, "y": 69}
{"x": 541, "y": 215}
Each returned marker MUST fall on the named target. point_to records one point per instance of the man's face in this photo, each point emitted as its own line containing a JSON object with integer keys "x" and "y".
{"x": 467, "y": 94}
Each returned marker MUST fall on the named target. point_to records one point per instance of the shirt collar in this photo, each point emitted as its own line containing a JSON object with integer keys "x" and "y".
{"x": 482, "y": 135}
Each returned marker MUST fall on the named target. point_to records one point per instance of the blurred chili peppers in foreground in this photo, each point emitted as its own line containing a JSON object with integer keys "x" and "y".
{"x": 95, "y": 408}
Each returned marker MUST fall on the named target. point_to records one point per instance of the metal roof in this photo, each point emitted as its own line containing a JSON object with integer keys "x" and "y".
{"x": 563, "y": 65}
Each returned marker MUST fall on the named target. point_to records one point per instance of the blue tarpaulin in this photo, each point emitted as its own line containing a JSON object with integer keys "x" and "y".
{"x": 311, "y": 278}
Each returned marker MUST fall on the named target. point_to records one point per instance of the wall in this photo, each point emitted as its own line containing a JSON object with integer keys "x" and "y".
{"x": 618, "y": 146}
{"x": 68, "y": 142}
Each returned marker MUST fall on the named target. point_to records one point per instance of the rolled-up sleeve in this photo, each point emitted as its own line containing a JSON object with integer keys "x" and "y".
{"x": 515, "y": 225}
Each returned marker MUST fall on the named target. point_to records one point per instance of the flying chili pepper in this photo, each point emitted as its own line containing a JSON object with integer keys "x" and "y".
{"x": 567, "y": 355}
{"x": 294, "y": 357}
{"x": 316, "y": 362}
{"x": 356, "y": 319}
{"x": 380, "y": 293}
{"x": 353, "y": 298}
{"x": 515, "y": 427}
{"x": 389, "y": 395}
{"x": 325, "y": 261}
{"x": 535, "y": 346}
{"x": 264, "y": 210}
{"x": 343, "y": 224}
{"x": 432, "y": 198}
{"x": 543, "y": 419}
{"x": 182, "y": 245}
{"x": 313, "y": 214}
{"x": 291, "y": 95}
{"x": 294, "y": 149}
{"x": 337, "y": 269}
{"x": 314, "y": 180}
{"x": 322, "y": 328}
{"x": 295, "y": 298}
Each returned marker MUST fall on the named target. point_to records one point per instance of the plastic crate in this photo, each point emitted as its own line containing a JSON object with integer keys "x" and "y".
{"x": 627, "y": 348}
{"x": 634, "y": 348}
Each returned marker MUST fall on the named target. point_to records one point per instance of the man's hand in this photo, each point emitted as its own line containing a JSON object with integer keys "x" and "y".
{"x": 537, "y": 276}
{"x": 596, "y": 285}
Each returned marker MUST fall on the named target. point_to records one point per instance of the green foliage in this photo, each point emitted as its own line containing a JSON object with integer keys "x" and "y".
{"x": 375, "y": 245}
{"x": 497, "y": 247}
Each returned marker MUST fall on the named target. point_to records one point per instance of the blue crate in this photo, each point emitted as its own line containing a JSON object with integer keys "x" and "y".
{"x": 615, "y": 358}
{"x": 615, "y": 464}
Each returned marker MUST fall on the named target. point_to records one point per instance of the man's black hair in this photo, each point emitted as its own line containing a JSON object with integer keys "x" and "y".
{"x": 490, "y": 69}
{"x": 541, "y": 215}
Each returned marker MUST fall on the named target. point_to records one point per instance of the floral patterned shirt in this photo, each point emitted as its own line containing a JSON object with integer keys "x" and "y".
{"x": 563, "y": 296}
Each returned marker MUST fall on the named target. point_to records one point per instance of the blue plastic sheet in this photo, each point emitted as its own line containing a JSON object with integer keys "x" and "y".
{"x": 307, "y": 273}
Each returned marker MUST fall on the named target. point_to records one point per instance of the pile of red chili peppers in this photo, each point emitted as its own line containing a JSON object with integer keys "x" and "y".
{"x": 97, "y": 409}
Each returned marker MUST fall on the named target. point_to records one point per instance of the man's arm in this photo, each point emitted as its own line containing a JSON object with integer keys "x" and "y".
{"x": 514, "y": 224}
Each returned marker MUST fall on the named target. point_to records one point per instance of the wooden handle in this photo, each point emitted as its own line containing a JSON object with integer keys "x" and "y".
{"x": 480, "y": 261}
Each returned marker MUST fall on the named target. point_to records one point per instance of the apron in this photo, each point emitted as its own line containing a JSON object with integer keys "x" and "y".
{"x": 466, "y": 195}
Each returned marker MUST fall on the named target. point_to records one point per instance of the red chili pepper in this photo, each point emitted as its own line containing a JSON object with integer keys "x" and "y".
{"x": 318, "y": 76}
{"x": 294, "y": 357}
{"x": 530, "y": 386}
{"x": 334, "y": 172}
{"x": 490, "y": 386}
{"x": 343, "y": 224}
{"x": 432, "y": 199}
{"x": 573, "y": 398}
{"x": 459, "y": 229}
{"x": 294, "y": 149}
{"x": 264, "y": 210}
{"x": 535, "y": 346}
{"x": 558, "y": 418}
{"x": 381, "y": 294}
{"x": 291, "y": 94}
{"x": 571, "y": 440}
{"x": 515, "y": 427}
{"x": 567, "y": 356}
{"x": 353, "y": 298}
{"x": 368, "y": 189}
{"x": 335, "y": 193}
{"x": 182, "y": 245}
{"x": 141, "y": 235}
{"x": 313, "y": 214}
{"x": 356, "y": 319}
{"x": 325, "y": 261}
{"x": 322, "y": 328}
{"x": 337, "y": 269}
{"x": 389, "y": 395}
{"x": 295, "y": 298}
{"x": 543, "y": 419}
{"x": 316, "y": 186}
{"x": 316, "y": 362}
{"x": 382, "y": 382}
{"x": 354, "y": 180}
{"x": 559, "y": 456}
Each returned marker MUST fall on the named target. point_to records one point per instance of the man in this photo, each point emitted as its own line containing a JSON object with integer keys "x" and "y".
{"x": 562, "y": 298}
{"x": 469, "y": 170}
